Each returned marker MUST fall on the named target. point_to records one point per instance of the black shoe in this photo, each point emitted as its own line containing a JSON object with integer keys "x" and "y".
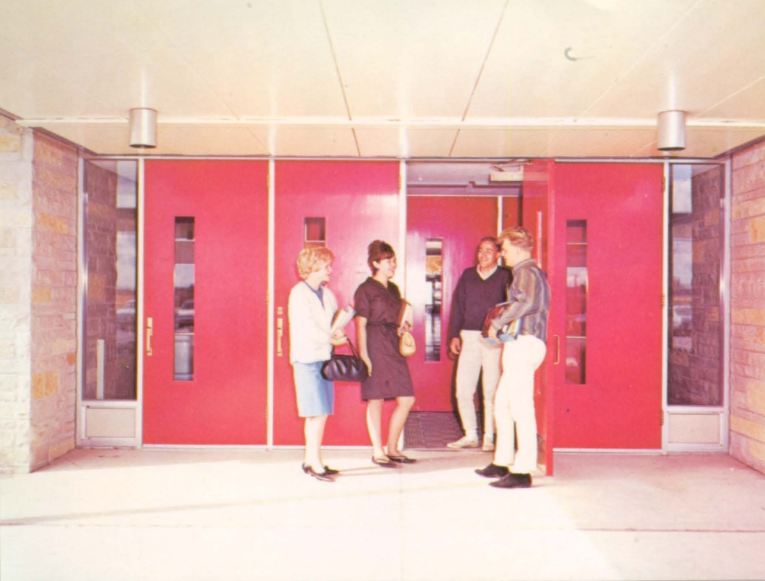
{"x": 492, "y": 471}
{"x": 513, "y": 481}
{"x": 323, "y": 476}
{"x": 327, "y": 470}
{"x": 401, "y": 459}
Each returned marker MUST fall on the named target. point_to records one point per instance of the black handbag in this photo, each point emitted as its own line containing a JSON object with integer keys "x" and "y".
{"x": 345, "y": 367}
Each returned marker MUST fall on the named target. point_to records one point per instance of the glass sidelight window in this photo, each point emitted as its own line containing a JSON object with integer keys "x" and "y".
{"x": 184, "y": 276}
{"x": 576, "y": 301}
{"x": 314, "y": 232}
{"x": 110, "y": 195}
{"x": 433, "y": 278}
{"x": 694, "y": 306}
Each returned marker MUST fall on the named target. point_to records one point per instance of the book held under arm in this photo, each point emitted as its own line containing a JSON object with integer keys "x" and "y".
{"x": 342, "y": 318}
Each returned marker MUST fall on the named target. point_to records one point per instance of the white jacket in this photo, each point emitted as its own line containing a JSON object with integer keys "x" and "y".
{"x": 310, "y": 324}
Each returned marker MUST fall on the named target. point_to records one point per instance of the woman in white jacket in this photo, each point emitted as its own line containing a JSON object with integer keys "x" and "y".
{"x": 311, "y": 308}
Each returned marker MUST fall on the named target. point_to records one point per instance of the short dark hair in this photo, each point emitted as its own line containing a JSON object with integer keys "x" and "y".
{"x": 379, "y": 250}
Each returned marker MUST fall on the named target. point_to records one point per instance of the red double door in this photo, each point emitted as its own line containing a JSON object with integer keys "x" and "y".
{"x": 346, "y": 205}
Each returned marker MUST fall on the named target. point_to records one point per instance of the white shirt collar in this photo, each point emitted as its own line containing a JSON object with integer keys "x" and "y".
{"x": 485, "y": 276}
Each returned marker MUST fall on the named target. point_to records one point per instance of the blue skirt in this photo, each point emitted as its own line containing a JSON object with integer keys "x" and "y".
{"x": 315, "y": 395}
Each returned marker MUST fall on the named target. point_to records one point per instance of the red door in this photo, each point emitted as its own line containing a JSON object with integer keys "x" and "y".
{"x": 206, "y": 252}
{"x": 344, "y": 205}
{"x": 458, "y": 223}
{"x": 606, "y": 291}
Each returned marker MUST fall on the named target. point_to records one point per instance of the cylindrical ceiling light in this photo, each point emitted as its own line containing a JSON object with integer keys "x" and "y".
{"x": 671, "y": 131}
{"x": 143, "y": 128}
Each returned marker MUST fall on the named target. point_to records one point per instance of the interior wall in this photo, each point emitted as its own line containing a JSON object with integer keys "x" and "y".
{"x": 747, "y": 375}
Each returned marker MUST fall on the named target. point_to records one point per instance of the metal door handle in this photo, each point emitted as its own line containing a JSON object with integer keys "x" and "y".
{"x": 557, "y": 350}
{"x": 279, "y": 335}
{"x": 149, "y": 333}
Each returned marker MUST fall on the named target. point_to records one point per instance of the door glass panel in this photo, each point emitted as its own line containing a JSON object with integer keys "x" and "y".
{"x": 314, "y": 232}
{"x": 184, "y": 299}
{"x": 694, "y": 305}
{"x": 433, "y": 274}
{"x": 576, "y": 301}
{"x": 109, "y": 245}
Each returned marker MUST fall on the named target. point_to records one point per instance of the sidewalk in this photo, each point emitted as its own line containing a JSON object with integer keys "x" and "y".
{"x": 246, "y": 514}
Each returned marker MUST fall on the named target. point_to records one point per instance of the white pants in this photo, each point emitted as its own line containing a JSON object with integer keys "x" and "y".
{"x": 477, "y": 354}
{"x": 515, "y": 404}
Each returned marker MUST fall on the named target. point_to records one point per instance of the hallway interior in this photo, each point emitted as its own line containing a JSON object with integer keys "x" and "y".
{"x": 252, "y": 514}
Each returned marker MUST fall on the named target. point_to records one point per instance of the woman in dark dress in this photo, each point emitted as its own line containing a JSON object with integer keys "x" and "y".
{"x": 378, "y": 304}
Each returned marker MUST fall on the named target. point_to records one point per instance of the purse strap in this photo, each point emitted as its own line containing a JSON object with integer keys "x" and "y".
{"x": 353, "y": 349}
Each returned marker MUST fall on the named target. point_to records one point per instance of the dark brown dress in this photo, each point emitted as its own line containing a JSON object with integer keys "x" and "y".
{"x": 380, "y": 306}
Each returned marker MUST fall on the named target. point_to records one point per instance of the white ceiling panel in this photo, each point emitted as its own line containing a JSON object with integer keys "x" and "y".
{"x": 263, "y": 59}
{"x": 297, "y": 140}
{"x": 747, "y": 104}
{"x": 405, "y": 142}
{"x": 205, "y": 139}
{"x": 555, "y": 58}
{"x": 400, "y": 59}
{"x": 598, "y": 141}
{"x": 706, "y": 142}
{"x": 512, "y": 142}
{"x": 700, "y": 62}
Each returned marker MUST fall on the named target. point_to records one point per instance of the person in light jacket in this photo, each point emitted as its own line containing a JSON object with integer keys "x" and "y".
{"x": 311, "y": 309}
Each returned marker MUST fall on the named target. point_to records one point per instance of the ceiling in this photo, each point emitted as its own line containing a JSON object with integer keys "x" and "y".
{"x": 388, "y": 78}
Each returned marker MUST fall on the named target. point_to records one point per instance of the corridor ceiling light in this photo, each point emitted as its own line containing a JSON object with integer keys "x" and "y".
{"x": 143, "y": 128}
{"x": 671, "y": 131}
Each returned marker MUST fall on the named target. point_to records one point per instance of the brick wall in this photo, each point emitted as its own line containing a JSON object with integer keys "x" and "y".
{"x": 54, "y": 290}
{"x": 694, "y": 368}
{"x": 747, "y": 413}
{"x": 16, "y": 153}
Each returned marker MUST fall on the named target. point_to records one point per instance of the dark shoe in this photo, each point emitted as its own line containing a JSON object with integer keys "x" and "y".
{"x": 323, "y": 476}
{"x": 513, "y": 481}
{"x": 401, "y": 459}
{"x": 384, "y": 462}
{"x": 330, "y": 471}
{"x": 492, "y": 471}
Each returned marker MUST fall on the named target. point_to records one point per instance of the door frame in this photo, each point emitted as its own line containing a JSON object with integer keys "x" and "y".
{"x": 136, "y": 406}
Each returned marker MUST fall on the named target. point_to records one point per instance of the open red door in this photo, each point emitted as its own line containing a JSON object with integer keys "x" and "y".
{"x": 606, "y": 284}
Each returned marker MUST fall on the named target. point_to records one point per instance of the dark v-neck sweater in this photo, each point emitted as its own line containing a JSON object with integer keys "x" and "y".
{"x": 474, "y": 296}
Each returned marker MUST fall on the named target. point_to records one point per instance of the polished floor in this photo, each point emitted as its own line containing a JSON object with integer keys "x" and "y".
{"x": 251, "y": 514}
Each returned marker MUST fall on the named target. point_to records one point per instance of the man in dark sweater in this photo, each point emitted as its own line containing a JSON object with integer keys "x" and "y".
{"x": 479, "y": 288}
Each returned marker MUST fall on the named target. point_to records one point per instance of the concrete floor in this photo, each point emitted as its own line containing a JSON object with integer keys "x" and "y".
{"x": 247, "y": 514}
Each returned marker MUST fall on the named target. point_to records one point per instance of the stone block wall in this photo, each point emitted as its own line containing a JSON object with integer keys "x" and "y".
{"x": 54, "y": 292}
{"x": 16, "y": 202}
{"x": 38, "y": 283}
{"x": 747, "y": 375}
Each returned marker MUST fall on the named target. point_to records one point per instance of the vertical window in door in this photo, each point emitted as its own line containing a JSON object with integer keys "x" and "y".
{"x": 184, "y": 300}
{"x": 576, "y": 301}
{"x": 433, "y": 274}
{"x": 314, "y": 232}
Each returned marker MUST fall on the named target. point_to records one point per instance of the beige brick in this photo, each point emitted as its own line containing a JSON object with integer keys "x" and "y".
{"x": 10, "y": 143}
{"x": 7, "y": 238}
{"x": 48, "y": 222}
{"x": 748, "y": 428}
{"x": 55, "y": 179}
{"x": 757, "y": 450}
{"x": 52, "y": 383}
{"x": 42, "y": 295}
{"x": 756, "y": 230}
{"x": 59, "y": 449}
{"x": 7, "y": 350}
{"x": 8, "y": 191}
{"x": 748, "y": 316}
{"x": 755, "y": 397}
{"x": 9, "y": 295}
{"x": 38, "y": 386}
{"x": 63, "y": 346}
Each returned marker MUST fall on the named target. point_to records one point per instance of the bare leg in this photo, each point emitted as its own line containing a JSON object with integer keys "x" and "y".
{"x": 397, "y": 421}
{"x": 374, "y": 425}
{"x": 314, "y": 434}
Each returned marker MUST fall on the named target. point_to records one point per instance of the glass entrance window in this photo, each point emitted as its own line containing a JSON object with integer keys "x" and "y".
{"x": 109, "y": 305}
{"x": 694, "y": 306}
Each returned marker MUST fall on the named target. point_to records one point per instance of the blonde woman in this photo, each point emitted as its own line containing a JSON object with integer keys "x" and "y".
{"x": 311, "y": 309}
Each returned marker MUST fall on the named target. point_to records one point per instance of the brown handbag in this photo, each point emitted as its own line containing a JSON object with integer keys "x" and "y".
{"x": 406, "y": 345}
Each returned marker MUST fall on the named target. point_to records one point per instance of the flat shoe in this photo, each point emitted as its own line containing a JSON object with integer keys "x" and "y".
{"x": 322, "y": 476}
{"x": 327, "y": 470}
{"x": 513, "y": 481}
{"x": 402, "y": 459}
{"x": 384, "y": 462}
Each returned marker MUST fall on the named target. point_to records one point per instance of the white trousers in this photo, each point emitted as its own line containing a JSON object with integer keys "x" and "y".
{"x": 514, "y": 404}
{"x": 477, "y": 354}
